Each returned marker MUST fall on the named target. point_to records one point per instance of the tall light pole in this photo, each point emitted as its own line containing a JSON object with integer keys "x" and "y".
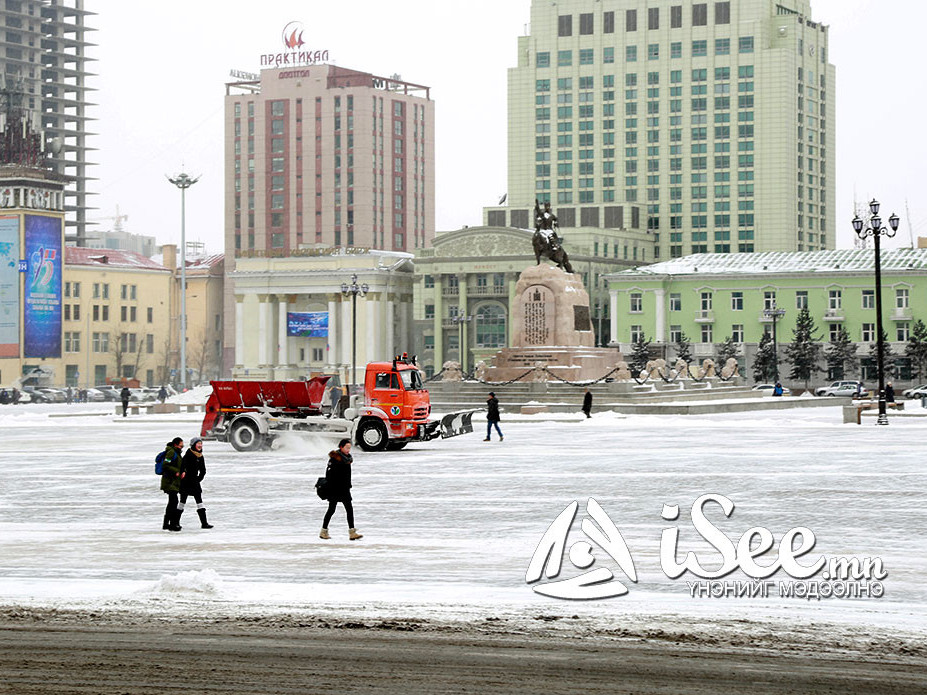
{"x": 352, "y": 291}
{"x": 183, "y": 182}
{"x": 775, "y": 314}
{"x": 876, "y": 231}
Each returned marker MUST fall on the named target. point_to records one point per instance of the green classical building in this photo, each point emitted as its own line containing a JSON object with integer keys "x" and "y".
{"x": 464, "y": 286}
{"x": 710, "y": 125}
{"x": 712, "y": 297}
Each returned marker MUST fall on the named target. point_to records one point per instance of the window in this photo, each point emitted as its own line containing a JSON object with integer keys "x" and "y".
{"x": 835, "y": 332}
{"x": 608, "y": 22}
{"x": 429, "y": 311}
{"x": 769, "y": 300}
{"x": 706, "y": 302}
{"x": 699, "y": 48}
{"x": 902, "y": 332}
{"x": 676, "y": 17}
{"x": 737, "y": 333}
{"x": 653, "y": 51}
{"x": 675, "y": 302}
{"x": 565, "y": 25}
{"x": 630, "y": 54}
{"x": 675, "y": 334}
{"x": 630, "y": 22}
{"x": 586, "y": 24}
{"x": 586, "y": 56}
{"x": 868, "y": 299}
{"x": 150, "y": 315}
{"x": 801, "y": 299}
{"x": 700, "y": 19}
{"x": 868, "y": 333}
{"x": 722, "y": 13}
{"x": 737, "y": 302}
{"x": 101, "y": 342}
{"x": 707, "y": 334}
{"x": 564, "y": 58}
{"x": 72, "y": 341}
{"x": 835, "y": 299}
{"x": 637, "y": 303}
{"x": 637, "y": 334}
{"x": 722, "y": 48}
{"x": 543, "y": 59}
{"x": 490, "y": 326}
{"x": 746, "y": 44}
{"x": 276, "y": 108}
{"x": 901, "y": 298}
{"x": 653, "y": 18}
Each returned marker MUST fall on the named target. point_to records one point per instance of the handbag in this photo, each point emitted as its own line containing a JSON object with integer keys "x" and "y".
{"x": 321, "y": 488}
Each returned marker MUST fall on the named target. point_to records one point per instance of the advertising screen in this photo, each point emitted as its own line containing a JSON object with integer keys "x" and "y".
{"x": 44, "y": 259}
{"x": 311, "y": 324}
{"x": 9, "y": 286}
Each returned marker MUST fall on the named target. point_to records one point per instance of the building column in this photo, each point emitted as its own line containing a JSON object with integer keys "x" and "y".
{"x": 613, "y": 316}
{"x": 283, "y": 352}
{"x": 239, "y": 330}
{"x": 464, "y": 328}
{"x": 346, "y": 336}
{"x": 390, "y": 328}
{"x": 371, "y": 328}
{"x": 263, "y": 326}
{"x": 405, "y": 315}
{"x": 439, "y": 324}
{"x": 333, "y": 355}
{"x": 661, "y": 316}
{"x": 510, "y": 311}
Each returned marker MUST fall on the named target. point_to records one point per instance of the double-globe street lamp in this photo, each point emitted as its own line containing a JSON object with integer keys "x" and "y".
{"x": 775, "y": 314}
{"x": 353, "y": 291}
{"x": 876, "y": 231}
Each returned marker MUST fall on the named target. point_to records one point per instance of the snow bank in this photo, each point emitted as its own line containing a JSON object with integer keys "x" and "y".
{"x": 195, "y": 396}
{"x": 202, "y": 583}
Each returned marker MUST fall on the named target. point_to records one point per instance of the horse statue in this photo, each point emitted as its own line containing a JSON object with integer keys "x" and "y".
{"x": 546, "y": 241}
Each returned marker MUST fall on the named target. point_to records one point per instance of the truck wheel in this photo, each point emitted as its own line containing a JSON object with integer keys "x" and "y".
{"x": 372, "y": 436}
{"x": 396, "y": 446}
{"x": 245, "y": 436}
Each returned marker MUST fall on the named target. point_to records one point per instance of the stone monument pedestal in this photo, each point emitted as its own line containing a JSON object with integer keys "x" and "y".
{"x": 551, "y": 327}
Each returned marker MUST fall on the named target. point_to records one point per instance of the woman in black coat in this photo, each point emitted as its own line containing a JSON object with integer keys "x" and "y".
{"x": 338, "y": 488}
{"x": 192, "y": 472}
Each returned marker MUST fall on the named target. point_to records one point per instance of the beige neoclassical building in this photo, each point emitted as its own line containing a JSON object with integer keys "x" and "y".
{"x": 276, "y": 299}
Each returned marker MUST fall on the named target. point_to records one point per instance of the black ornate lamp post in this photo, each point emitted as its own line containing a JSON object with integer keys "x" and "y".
{"x": 775, "y": 314}
{"x": 352, "y": 291}
{"x": 876, "y": 231}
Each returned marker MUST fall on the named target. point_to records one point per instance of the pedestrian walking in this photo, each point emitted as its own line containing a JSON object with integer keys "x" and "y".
{"x": 492, "y": 416}
{"x": 338, "y": 488}
{"x": 192, "y": 472}
{"x": 162, "y": 394}
{"x": 587, "y": 403}
{"x": 170, "y": 483}
{"x": 124, "y": 396}
{"x": 70, "y": 395}
{"x": 889, "y": 393}
{"x": 778, "y": 390}
{"x": 334, "y": 395}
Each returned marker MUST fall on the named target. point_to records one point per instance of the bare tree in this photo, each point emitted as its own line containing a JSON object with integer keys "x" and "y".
{"x": 201, "y": 355}
{"x": 167, "y": 361}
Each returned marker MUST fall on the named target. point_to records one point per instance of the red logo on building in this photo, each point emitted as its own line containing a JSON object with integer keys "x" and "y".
{"x": 293, "y": 35}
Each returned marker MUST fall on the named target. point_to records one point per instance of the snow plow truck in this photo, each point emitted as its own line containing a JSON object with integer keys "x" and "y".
{"x": 393, "y": 411}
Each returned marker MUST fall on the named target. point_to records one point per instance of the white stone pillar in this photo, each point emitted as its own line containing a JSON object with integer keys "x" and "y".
{"x": 613, "y": 316}
{"x": 390, "y": 329}
{"x": 346, "y": 330}
{"x": 661, "y": 316}
{"x": 405, "y": 338}
{"x": 372, "y": 353}
{"x": 334, "y": 351}
{"x": 239, "y": 330}
{"x": 283, "y": 352}
{"x": 263, "y": 337}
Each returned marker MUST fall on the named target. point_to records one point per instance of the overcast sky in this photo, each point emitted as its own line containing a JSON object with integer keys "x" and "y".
{"x": 162, "y": 67}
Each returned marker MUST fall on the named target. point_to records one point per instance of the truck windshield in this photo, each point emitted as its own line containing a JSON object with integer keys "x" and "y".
{"x": 411, "y": 380}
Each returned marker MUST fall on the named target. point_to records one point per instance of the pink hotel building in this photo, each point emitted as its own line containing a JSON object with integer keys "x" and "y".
{"x": 323, "y": 156}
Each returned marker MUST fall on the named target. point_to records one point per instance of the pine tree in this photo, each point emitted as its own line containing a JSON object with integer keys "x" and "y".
{"x": 683, "y": 348}
{"x": 916, "y": 349}
{"x": 764, "y": 362}
{"x": 640, "y": 355}
{"x": 888, "y": 355}
{"x": 726, "y": 351}
{"x": 841, "y": 355}
{"x": 804, "y": 352}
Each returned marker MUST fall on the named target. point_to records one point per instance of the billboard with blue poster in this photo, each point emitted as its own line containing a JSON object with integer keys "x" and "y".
{"x": 307, "y": 324}
{"x": 42, "y": 306}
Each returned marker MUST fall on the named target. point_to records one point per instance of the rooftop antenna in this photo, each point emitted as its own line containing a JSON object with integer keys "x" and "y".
{"x": 907, "y": 213}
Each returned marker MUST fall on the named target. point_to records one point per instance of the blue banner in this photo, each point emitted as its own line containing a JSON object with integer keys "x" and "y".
{"x": 9, "y": 286}
{"x": 44, "y": 256}
{"x": 311, "y": 324}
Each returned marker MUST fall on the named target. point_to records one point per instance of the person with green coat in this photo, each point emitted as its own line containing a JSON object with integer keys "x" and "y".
{"x": 170, "y": 483}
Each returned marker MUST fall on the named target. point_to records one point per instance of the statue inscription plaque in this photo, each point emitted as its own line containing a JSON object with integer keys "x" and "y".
{"x": 539, "y": 305}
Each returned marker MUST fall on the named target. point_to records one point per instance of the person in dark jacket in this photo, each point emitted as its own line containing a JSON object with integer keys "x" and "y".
{"x": 889, "y": 393}
{"x": 162, "y": 395}
{"x": 338, "y": 488}
{"x": 124, "y": 396}
{"x": 778, "y": 390}
{"x": 192, "y": 472}
{"x": 170, "y": 483}
{"x": 587, "y": 403}
{"x": 492, "y": 416}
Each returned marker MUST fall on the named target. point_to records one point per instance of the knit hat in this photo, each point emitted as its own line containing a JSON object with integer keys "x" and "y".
{"x": 194, "y": 441}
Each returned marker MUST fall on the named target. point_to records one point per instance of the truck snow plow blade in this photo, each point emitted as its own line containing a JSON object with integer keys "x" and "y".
{"x": 456, "y": 424}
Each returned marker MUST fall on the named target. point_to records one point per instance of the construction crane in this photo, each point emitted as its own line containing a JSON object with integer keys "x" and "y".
{"x": 116, "y": 219}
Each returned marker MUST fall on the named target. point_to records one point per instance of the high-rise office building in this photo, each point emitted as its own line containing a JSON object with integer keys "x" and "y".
{"x": 43, "y": 56}
{"x": 716, "y": 119}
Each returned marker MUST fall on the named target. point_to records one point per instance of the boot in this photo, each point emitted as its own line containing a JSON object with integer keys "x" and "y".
{"x": 167, "y": 522}
{"x": 354, "y": 535}
{"x": 202, "y": 514}
{"x": 323, "y": 534}
{"x": 175, "y": 521}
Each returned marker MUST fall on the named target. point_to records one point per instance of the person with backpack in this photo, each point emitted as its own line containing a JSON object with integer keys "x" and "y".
{"x": 337, "y": 488}
{"x": 170, "y": 482}
{"x": 192, "y": 472}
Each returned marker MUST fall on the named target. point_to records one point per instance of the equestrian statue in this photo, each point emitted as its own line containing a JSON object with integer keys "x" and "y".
{"x": 546, "y": 242}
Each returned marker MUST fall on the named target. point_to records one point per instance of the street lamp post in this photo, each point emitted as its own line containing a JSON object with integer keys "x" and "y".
{"x": 775, "y": 314}
{"x": 183, "y": 182}
{"x": 352, "y": 291}
{"x": 876, "y": 231}
{"x": 460, "y": 320}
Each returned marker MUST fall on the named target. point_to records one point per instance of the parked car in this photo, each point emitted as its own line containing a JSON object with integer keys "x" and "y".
{"x": 110, "y": 393}
{"x": 767, "y": 389}
{"x": 36, "y": 395}
{"x": 916, "y": 392}
{"x": 852, "y": 389}
{"x": 96, "y": 396}
{"x": 54, "y": 395}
